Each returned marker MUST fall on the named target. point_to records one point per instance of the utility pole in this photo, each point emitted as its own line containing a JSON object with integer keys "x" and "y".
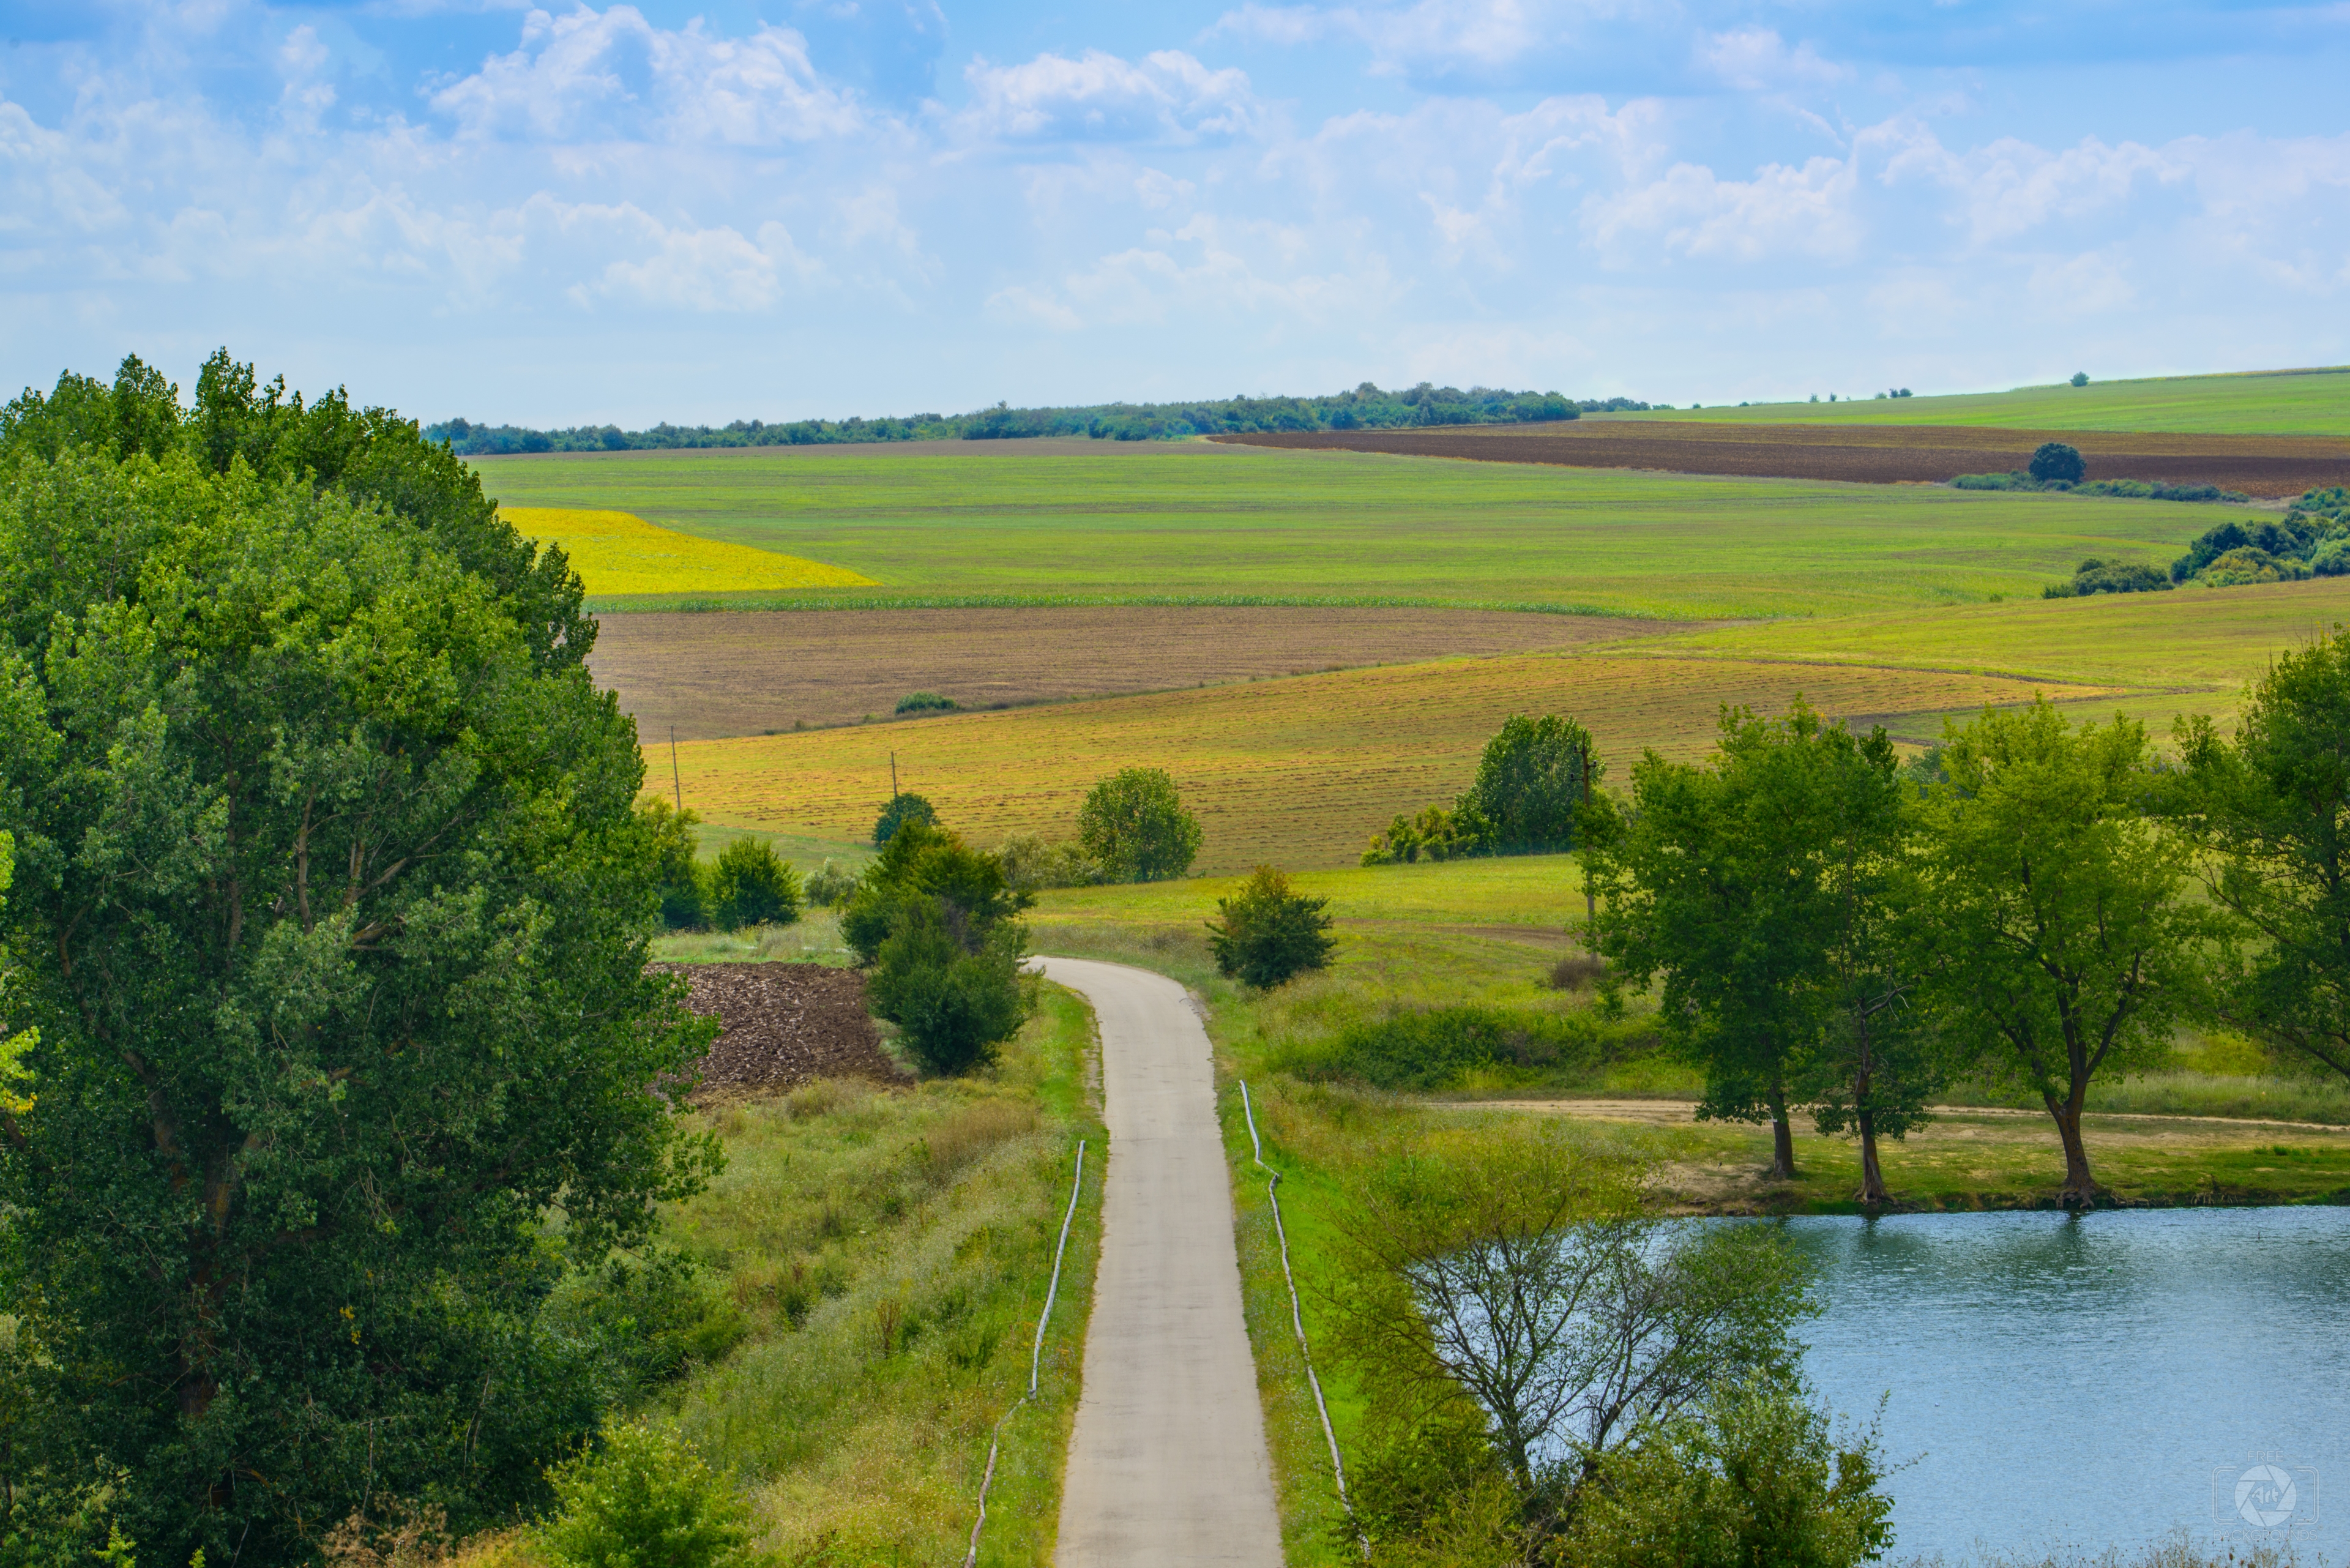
{"x": 893, "y": 776}
{"x": 675, "y": 782}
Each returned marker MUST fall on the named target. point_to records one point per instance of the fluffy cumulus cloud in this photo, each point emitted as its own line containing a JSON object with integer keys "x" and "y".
{"x": 654, "y": 215}
{"x": 1167, "y": 96}
{"x": 590, "y": 77}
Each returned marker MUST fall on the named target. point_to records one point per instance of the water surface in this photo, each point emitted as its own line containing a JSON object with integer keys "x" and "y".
{"x": 2097, "y": 1380}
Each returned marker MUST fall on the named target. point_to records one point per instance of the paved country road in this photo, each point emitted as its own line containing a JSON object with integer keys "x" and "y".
{"x": 1168, "y": 1464}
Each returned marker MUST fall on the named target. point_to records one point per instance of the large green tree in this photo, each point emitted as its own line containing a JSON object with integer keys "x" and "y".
{"x": 1533, "y": 782}
{"x": 332, "y": 907}
{"x": 2062, "y": 941}
{"x": 1763, "y": 888}
{"x": 2271, "y": 812}
{"x": 1135, "y": 827}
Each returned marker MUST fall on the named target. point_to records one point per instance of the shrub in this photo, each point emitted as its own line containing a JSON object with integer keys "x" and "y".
{"x": 902, "y": 809}
{"x": 953, "y": 1006}
{"x": 1032, "y": 865}
{"x": 683, "y": 885}
{"x": 2331, "y": 559}
{"x": 1268, "y": 932}
{"x": 2248, "y": 565}
{"x": 2055, "y": 461}
{"x": 2095, "y": 576}
{"x": 1754, "y": 1475}
{"x": 1435, "y": 834}
{"x": 1437, "y": 1048}
{"x": 751, "y": 887}
{"x": 643, "y": 1499}
{"x": 1134, "y": 826}
{"x": 830, "y": 886}
{"x": 928, "y": 864}
{"x": 1573, "y": 972}
{"x": 925, "y": 702}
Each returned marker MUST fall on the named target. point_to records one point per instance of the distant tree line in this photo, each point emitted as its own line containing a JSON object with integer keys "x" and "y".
{"x": 1367, "y": 407}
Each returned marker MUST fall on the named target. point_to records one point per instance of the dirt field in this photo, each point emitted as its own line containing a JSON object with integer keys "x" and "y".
{"x": 760, "y": 672}
{"x": 784, "y": 1024}
{"x": 2270, "y": 466}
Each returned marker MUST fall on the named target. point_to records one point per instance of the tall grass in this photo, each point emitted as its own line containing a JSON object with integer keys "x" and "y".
{"x": 890, "y": 1248}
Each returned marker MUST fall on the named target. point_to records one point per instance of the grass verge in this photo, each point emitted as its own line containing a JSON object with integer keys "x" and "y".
{"x": 891, "y": 1249}
{"x": 887, "y": 1252}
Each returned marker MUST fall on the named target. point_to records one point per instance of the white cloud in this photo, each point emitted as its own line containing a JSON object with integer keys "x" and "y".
{"x": 1212, "y": 267}
{"x": 1781, "y": 210}
{"x": 588, "y": 76}
{"x": 1756, "y": 59}
{"x": 1168, "y": 96}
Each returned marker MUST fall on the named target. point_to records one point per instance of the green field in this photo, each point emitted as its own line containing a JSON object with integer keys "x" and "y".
{"x": 1140, "y": 522}
{"x": 2259, "y": 402}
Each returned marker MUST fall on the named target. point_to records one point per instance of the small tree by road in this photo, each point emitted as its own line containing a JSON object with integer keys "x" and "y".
{"x": 1134, "y": 826}
{"x": 1268, "y": 933}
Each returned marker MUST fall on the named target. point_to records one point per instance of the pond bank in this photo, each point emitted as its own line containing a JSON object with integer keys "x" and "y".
{"x": 1970, "y": 1159}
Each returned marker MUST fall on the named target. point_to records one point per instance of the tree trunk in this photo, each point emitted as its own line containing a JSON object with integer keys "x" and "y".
{"x": 1872, "y": 1178}
{"x": 1782, "y": 1137}
{"x": 2080, "y": 1186}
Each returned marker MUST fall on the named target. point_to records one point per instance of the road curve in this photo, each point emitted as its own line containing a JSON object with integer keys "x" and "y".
{"x": 1168, "y": 1465}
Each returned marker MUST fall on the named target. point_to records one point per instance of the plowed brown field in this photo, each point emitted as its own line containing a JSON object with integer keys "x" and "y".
{"x": 759, "y": 673}
{"x": 1887, "y": 454}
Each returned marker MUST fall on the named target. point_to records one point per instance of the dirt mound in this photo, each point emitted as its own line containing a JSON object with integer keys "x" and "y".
{"x": 784, "y": 1023}
{"x": 1885, "y": 455}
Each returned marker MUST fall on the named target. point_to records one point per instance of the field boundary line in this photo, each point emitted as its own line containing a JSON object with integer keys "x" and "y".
{"x": 1036, "y": 1358}
{"x": 1297, "y": 1321}
{"x": 720, "y": 602}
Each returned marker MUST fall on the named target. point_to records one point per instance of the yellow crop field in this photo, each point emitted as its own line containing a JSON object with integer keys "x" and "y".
{"x": 620, "y": 552}
{"x": 1301, "y": 771}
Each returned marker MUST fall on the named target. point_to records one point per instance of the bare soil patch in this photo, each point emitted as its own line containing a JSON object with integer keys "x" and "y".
{"x": 758, "y": 672}
{"x": 784, "y": 1023}
{"x": 2270, "y": 466}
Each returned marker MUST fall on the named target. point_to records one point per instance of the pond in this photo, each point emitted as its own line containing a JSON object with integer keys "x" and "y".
{"x": 2071, "y": 1383}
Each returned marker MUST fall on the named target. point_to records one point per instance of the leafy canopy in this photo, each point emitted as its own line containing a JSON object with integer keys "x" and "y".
{"x": 331, "y": 905}
{"x": 1134, "y": 826}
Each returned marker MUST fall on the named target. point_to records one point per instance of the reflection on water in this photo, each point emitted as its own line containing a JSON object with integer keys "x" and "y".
{"x": 2094, "y": 1381}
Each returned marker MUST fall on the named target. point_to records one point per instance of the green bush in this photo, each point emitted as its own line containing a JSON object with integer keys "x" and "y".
{"x": 1133, "y": 826}
{"x": 647, "y": 1319}
{"x": 1435, "y": 834}
{"x": 643, "y": 1499}
{"x": 830, "y": 887}
{"x": 751, "y": 887}
{"x": 924, "y": 864}
{"x": 1753, "y": 1476}
{"x": 1269, "y": 934}
{"x": 925, "y": 702}
{"x": 2096, "y": 577}
{"x": 2055, "y": 461}
{"x": 1032, "y": 865}
{"x": 953, "y": 1006}
{"x": 902, "y": 809}
{"x": 1437, "y": 1048}
{"x": 684, "y": 884}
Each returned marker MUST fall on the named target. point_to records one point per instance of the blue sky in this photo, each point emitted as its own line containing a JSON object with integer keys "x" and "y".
{"x": 785, "y": 208}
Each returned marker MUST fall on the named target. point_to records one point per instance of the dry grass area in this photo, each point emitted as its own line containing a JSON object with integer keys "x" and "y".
{"x": 1297, "y": 771}
{"x": 620, "y": 552}
{"x": 766, "y": 671}
{"x": 1881, "y": 454}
